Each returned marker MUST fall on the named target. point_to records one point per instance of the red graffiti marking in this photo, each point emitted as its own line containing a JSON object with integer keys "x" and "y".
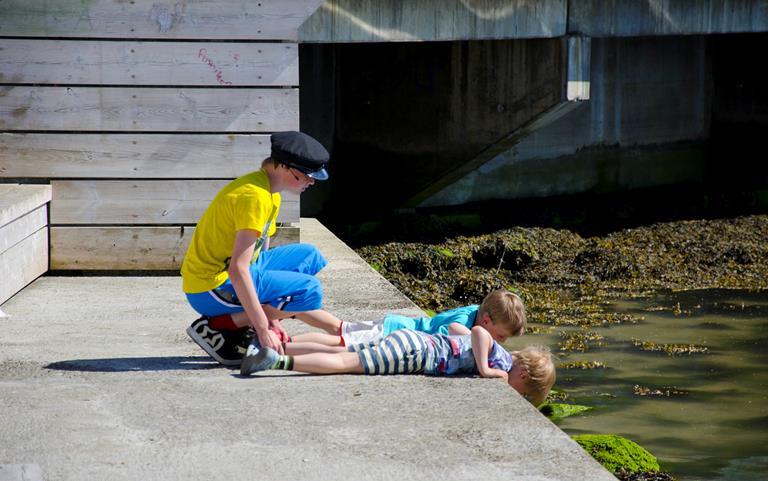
{"x": 202, "y": 54}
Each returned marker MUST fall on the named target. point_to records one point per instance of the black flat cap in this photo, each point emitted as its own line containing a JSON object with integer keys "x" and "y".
{"x": 300, "y": 151}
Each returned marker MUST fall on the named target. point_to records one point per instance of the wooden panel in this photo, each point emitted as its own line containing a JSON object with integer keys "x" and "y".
{"x": 148, "y": 109}
{"x": 142, "y": 202}
{"x": 154, "y": 156}
{"x": 65, "y": 62}
{"x": 17, "y": 200}
{"x": 21, "y": 228}
{"x": 133, "y": 248}
{"x": 23, "y": 263}
{"x": 167, "y": 19}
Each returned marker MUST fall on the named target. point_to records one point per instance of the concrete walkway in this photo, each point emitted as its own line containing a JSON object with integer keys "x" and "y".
{"x": 98, "y": 381}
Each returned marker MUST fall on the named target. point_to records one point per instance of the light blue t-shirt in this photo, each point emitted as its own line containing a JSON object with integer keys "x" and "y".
{"x": 432, "y": 325}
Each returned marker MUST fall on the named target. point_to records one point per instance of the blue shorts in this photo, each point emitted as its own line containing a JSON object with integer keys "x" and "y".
{"x": 284, "y": 278}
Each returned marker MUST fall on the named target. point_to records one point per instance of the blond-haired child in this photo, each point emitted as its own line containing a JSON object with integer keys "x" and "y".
{"x": 530, "y": 371}
{"x": 502, "y": 314}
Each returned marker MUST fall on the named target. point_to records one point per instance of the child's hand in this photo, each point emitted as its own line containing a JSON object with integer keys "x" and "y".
{"x": 491, "y": 373}
{"x": 494, "y": 373}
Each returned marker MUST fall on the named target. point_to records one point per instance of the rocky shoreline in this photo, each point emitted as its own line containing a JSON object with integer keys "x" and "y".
{"x": 564, "y": 277}
{"x": 566, "y": 280}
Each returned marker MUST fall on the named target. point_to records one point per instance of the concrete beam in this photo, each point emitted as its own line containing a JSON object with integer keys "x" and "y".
{"x": 575, "y": 89}
{"x": 577, "y": 68}
{"x": 338, "y": 21}
{"x": 619, "y": 18}
{"x": 341, "y": 21}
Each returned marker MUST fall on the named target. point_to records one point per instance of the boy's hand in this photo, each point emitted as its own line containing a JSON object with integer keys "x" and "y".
{"x": 269, "y": 339}
{"x": 277, "y": 328}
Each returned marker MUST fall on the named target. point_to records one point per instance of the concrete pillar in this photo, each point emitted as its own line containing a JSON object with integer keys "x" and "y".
{"x": 645, "y": 94}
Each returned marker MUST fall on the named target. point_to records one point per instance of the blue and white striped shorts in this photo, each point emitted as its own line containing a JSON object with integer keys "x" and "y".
{"x": 402, "y": 352}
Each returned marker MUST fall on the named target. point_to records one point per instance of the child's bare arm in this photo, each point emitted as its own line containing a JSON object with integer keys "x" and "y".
{"x": 482, "y": 343}
{"x": 456, "y": 329}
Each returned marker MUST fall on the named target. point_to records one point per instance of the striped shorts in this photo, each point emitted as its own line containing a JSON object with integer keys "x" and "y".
{"x": 402, "y": 352}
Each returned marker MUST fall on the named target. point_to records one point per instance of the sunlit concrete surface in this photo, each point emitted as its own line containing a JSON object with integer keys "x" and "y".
{"x": 98, "y": 380}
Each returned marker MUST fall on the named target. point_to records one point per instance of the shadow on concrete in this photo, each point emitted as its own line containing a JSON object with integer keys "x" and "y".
{"x": 125, "y": 364}
{"x": 285, "y": 374}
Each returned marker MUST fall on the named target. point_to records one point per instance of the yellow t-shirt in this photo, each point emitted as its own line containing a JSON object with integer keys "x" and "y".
{"x": 244, "y": 203}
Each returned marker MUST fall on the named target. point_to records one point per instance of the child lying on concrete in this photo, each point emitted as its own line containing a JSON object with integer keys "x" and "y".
{"x": 501, "y": 313}
{"x": 530, "y": 371}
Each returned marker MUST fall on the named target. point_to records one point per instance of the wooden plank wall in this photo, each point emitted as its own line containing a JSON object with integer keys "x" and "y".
{"x": 138, "y": 112}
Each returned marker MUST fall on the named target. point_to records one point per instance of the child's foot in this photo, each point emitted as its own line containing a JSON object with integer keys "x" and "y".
{"x": 252, "y": 348}
{"x": 262, "y": 360}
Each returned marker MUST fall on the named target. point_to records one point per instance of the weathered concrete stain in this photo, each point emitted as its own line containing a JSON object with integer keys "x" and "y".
{"x": 164, "y": 17}
{"x": 19, "y": 112}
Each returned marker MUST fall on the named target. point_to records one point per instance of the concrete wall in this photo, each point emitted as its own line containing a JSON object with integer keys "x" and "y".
{"x": 603, "y": 18}
{"x": 645, "y": 93}
{"x": 406, "y": 113}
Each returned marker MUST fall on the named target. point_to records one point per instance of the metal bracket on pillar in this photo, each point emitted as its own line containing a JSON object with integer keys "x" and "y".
{"x": 578, "y": 51}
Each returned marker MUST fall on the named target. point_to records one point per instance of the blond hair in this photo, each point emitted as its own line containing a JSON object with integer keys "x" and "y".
{"x": 538, "y": 364}
{"x": 269, "y": 162}
{"x": 506, "y": 309}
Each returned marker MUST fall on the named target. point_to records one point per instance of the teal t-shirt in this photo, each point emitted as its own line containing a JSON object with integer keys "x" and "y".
{"x": 432, "y": 325}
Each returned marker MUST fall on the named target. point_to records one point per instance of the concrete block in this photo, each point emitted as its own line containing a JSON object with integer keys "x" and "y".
{"x": 23, "y": 236}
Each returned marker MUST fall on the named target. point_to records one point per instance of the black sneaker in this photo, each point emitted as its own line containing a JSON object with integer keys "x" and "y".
{"x": 239, "y": 339}
{"x": 226, "y": 347}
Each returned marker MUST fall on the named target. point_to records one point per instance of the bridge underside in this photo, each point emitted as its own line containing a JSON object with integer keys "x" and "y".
{"x": 448, "y": 102}
{"x": 413, "y": 123}
{"x": 343, "y": 21}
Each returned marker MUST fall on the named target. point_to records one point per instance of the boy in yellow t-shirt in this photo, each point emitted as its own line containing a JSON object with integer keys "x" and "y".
{"x": 230, "y": 275}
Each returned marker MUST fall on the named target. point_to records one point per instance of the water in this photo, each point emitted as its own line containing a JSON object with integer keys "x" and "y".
{"x": 719, "y": 430}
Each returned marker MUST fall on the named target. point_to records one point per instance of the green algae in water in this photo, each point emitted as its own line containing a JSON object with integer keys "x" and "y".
{"x": 698, "y": 413}
{"x": 665, "y": 391}
{"x": 579, "y": 341}
{"x": 669, "y": 349}
{"x": 582, "y": 365}
{"x": 632, "y": 284}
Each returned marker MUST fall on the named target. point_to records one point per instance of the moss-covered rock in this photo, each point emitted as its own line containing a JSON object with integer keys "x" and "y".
{"x": 558, "y": 411}
{"x": 618, "y": 453}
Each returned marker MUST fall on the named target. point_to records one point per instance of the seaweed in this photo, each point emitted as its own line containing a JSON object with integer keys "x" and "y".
{"x": 670, "y": 349}
{"x": 665, "y": 391}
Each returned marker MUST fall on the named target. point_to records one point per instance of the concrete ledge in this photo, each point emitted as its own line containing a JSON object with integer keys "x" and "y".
{"x": 23, "y": 235}
{"x": 99, "y": 381}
